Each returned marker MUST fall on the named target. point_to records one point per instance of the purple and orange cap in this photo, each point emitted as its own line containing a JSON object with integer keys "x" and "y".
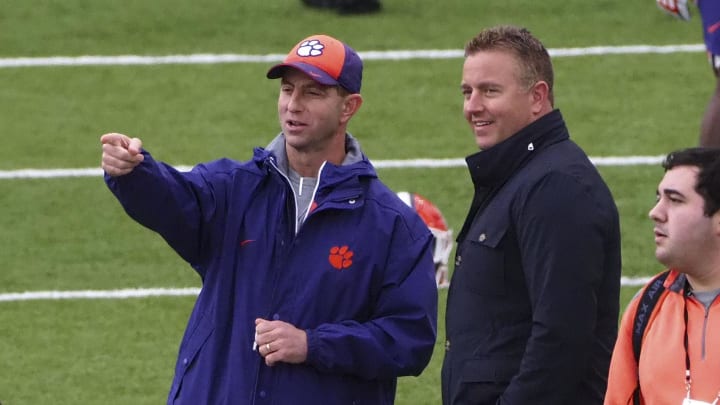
{"x": 326, "y": 60}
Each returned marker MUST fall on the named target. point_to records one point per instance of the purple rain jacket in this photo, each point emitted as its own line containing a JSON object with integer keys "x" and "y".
{"x": 358, "y": 277}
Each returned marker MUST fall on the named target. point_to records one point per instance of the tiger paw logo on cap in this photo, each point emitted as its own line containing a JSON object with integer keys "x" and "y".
{"x": 327, "y": 60}
{"x": 310, "y": 48}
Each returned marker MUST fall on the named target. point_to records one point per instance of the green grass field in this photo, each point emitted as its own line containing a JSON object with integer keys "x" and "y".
{"x": 69, "y": 234}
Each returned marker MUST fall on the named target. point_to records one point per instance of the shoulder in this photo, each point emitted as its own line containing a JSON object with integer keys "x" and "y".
{"x": 392, "y": 209}
{"x": 226, "y": 167}
{"x": 646, "y": 298}
{"x": 564, "y": 171}
{"x": 564, "y": 159}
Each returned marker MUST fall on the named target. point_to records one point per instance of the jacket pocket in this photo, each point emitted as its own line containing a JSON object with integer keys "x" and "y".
{"x": 483, "y": 380}
{"x": 500, "y": 370}
{"x": 480, "y": 264}
{"x": 189, "y": 350}
{"x": 196, "y": 341}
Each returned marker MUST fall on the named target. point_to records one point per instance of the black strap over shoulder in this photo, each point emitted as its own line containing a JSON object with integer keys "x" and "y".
{"x": 648, "y": 300}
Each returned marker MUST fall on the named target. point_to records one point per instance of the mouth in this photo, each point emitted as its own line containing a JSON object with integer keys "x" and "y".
{"x": 480, "y": 123}
{"x": 659, "y": 234}
{"x": 294, "y": 124}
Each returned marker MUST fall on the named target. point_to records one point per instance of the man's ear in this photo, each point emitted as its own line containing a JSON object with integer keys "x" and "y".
{"x": 716, "y": 223}
{"x": 540, "y": 93}
{"x": 351, "y": 105}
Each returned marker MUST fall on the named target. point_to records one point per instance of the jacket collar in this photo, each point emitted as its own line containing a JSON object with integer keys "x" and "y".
{"x": 676, "y": 281}
{"x": 355, "y": 163}
{"x": 490, "y": 167}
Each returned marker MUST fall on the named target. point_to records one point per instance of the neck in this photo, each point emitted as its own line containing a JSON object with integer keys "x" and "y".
{"x": 307, "y": 162}
{"x": 706, "y": 279}
{"x": 306, "y": 167}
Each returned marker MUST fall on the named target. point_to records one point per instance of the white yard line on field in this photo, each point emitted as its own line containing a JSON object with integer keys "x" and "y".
{"x": 98, "y": 294}
{"x": 93, "y": 60}
{"x": 165, "y": 292}
{"x": 380, "y": 164}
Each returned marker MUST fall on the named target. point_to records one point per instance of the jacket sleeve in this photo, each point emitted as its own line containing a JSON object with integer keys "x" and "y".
{"x": 169, "y": 202}
{"x": 400, "y": 334}
{"x": 623, "y": 375}
{"x": 566, "y": 236}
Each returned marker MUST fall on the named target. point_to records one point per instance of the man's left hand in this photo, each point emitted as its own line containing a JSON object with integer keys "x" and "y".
{"x": 279, "y": 341}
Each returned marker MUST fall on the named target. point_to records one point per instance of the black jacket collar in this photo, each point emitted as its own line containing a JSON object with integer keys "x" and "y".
{"x": 491, "y": 167}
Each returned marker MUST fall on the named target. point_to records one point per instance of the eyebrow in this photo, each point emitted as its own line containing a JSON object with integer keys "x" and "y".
{"x": 484, "y": 85}
{"x": 670, "y": 192}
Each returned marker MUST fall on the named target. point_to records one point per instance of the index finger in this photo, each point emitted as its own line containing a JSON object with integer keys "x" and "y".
{"x": 115, "y": 139}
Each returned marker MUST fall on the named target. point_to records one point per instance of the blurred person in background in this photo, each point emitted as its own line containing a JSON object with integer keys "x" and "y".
{"x": 347, "y": 6}
{"x": 318, "y": 282}
{"x": 709, "y": 11}
{"x": 673, "y": 355}
{"x": 442, "y": 234}
{"x": 533, "y": 305}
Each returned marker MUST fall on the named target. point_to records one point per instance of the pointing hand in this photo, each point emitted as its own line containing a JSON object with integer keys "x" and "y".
{"x": 120, "y": 153}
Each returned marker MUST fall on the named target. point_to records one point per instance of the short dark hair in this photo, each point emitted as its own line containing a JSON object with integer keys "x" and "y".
{"x": 708, "y": 179}
{"x": 533, "y": 58}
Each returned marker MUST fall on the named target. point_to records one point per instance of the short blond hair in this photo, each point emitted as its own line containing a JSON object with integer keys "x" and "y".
{"x": 533, "y": 59}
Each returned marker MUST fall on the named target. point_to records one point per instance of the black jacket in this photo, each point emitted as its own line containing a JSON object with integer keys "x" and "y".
{"x": 533, "y": 305}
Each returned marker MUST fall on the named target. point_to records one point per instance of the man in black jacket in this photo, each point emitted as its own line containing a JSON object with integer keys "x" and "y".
{"x": 533, "y": 304}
